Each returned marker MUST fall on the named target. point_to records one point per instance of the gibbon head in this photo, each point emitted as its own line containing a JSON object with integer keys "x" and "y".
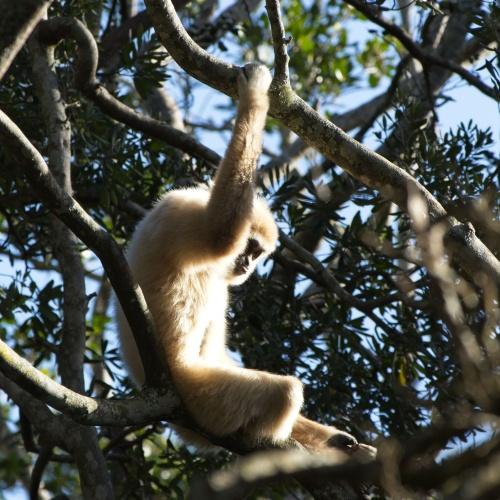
{"x": 261, "y": 242}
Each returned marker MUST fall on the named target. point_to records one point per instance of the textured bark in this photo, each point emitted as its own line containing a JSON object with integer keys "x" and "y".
{"x": 16, "y": 25}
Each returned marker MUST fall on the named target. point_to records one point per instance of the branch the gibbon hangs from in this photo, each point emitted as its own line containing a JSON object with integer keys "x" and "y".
{"x": 184, "y": 254}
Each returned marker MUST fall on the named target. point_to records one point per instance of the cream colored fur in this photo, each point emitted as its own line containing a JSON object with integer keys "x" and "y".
{"x": 183, "y": 256}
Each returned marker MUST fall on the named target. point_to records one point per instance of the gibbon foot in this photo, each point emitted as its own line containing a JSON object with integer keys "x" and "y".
{"x": 349, "y": 444}
{"x": 318, "y": 438}
{"x": 343, "y": 441}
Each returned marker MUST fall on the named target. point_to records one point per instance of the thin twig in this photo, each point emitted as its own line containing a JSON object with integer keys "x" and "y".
{"x": 332, "y": 284}
{"x": 389, "y": 95}
{"x": 279, "y": 42}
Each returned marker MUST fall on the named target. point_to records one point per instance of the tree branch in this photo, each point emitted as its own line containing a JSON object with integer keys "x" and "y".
{"x": 52, "y": 31}
{"x": 329, "y": 281}
{"x": 149, "y": 406}
{"x": 203, "y": 66}
{"x": 424, "y": 56}
{"x": 274, "y": 466}
{"x": 72, "y": 347}
{"x": 96, "y": 238}
{"x": 279, "y": 43}
{"x": 16, "y": 25}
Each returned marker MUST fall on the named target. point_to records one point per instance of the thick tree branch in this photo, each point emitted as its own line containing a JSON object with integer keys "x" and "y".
{"x": 16, "y": 25}
{"x": 424, "y": 56}
{"x": 366, "y": 166}
{"x": 203, "y": 66}
{"x": 96, "y": 238}
{"x": 71, "y": 350}
{"x": 56, "y": 29}
{"x": 72, "y": 347}
{"x": 149, "y": 406}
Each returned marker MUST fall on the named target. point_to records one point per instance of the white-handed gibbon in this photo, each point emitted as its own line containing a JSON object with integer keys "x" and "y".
{"x": 187, "y": 251}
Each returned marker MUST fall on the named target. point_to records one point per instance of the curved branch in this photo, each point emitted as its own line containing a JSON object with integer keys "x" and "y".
{"x": 52, "y": 31}
{"x": 190, "y": 56}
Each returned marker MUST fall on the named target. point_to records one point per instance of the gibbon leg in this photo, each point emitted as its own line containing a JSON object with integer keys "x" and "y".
{"x": 227, "y": 399}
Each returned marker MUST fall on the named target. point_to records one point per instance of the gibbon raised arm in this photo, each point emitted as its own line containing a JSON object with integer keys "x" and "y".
{"x": 185, "y": 254}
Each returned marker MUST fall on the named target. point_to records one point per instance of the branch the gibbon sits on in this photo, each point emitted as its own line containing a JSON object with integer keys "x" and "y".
{"x": 187, "y": 251}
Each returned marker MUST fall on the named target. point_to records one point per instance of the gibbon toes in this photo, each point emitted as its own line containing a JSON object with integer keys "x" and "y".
{"x": 342, "y": 441}
{"x": 348, "y": 444}
{"x": 253, "y": 81}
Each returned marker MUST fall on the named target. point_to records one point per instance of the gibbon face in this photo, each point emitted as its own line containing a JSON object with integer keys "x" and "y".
{"x": 244, "y": 265}
{"x": 260, "y": 243}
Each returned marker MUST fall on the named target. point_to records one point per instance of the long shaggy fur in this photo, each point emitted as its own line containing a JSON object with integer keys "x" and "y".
{"x": 183, "y": 256}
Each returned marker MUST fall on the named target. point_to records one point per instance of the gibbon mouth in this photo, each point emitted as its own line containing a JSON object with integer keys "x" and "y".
{"x": 240, "y": 269}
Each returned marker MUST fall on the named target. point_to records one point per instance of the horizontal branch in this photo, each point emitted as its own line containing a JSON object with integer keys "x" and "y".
{"x": 149, "y": 406}
{"x": 273, "y": 466}
{"x": 52, "y": 31}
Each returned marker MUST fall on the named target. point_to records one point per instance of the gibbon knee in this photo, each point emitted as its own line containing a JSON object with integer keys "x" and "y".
{"x": 230, "y": 399}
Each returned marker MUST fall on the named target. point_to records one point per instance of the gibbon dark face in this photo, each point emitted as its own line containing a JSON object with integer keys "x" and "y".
{"x": 246, "y": 261}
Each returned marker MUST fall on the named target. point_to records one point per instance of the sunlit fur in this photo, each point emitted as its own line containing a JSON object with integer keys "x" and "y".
{"x": 183, "y": 255}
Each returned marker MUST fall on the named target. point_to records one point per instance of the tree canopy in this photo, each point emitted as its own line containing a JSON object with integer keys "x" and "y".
{"x": 382, "y": 296}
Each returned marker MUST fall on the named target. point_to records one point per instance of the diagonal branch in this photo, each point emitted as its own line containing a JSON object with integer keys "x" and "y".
{"x": 149, "y": 406}
{"x": 424, "y": 56}
{"x": 329, "y": 281}
{"x": 96, "y": 238}
{"x": 16, "y": 26}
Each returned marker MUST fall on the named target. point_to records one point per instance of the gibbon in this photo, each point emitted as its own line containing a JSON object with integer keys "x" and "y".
{"x": 187, "y": 251}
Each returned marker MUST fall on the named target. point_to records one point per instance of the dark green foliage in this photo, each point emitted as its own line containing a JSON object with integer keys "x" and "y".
{"x": 372, "y": 379}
